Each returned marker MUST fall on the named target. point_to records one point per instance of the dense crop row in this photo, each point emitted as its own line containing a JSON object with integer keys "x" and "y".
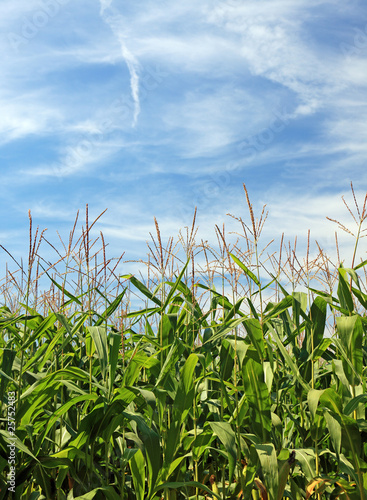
{"x": 235, "y": 399}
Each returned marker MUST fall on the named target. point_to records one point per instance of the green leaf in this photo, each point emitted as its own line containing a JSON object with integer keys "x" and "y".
{"x": 335, "y": 431}
{"x": 362, "y": 264}
{"x": 299, "y": 307}
{"x": 175, "y": 285}
{"x": 313, "y": 398}
{"x": 327, "y": 296}
{"x": 14, "y": 440}
{"x": 137, "y": 465}
{"x": 351, "y": 440}
{"x": 255, "y": 332}
{"x": 227, "y": 355}
{"x": 344, "y": 295}
{"x": 166, "y": 329}
{"x": 65, "y": 407}
{"x": 182, "y": 404}
{"x": 294, "y": 368}
{"x": 173, "y": 356}
{"x": 99, "y": 336}
{"x": 111, "y": 308}
{"x": 227, "y": 437}
{"x": 108, "y": 492}
{"x": 269, "y": 468}
{"x": 350, "y": 331}
{"x": 50, "y": 350}
{"x": 228, "y": 327}
{"x": 354, "y": 403}
{"x": 148, "y": 311}
{"x": 240, "y": 347}
{"x": 320, "y": 350}
{"x": 187, "y": 484}
{"x": 6, "y": 370}
{"x": 173, "y": 466}
{"x": 152, "y": 448}
{"x": 252, "y": 308}
{"x": 331, "y": 400}
{"x": 306, "y": 457}
{"x": 201, "y": 443}
{"x": 115, "y": 342}
{"x": 318, "y": 319}
{"x": 245, "y": 269}
{"x": 65, "y": 292}
{"x": 257, "y": 396}
{"x": 143, "y": 289}
{"x": 277, "y": 309}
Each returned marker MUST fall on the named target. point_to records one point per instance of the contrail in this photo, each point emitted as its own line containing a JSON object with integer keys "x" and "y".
{"x": 133, "y": 66}
{"x": 115, "y": 21}
{"x": 104, "y": 5}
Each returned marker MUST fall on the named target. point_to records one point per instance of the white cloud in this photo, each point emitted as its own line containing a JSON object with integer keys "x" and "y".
{"x": 275, "y": 43}
{"x": 78, "y": 157}
{"x": 211, "y": 118}
{"x": 26, "y": 114}
{"x": 198, "y": 52}
{"x": 228, "y": 69}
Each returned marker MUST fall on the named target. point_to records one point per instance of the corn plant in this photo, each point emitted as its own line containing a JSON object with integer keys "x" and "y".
{"x": 219, "y": 395}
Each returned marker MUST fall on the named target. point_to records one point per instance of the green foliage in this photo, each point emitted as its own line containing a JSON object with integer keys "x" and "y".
{"x": 184, "y": 402}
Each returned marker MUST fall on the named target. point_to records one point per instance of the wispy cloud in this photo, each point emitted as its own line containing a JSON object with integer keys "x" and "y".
{"x": 117, "y": 25}
{"x": 203, "y": 85}
{"x": 105, "y": 4}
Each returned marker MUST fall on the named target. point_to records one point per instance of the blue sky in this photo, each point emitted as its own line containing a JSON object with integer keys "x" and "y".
{"x": 151, "y": 108}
